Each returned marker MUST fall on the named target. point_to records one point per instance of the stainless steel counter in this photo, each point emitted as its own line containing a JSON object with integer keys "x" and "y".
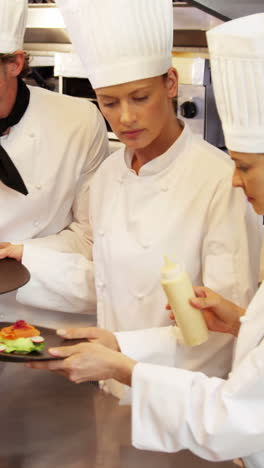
{"x": 48, "y": 422}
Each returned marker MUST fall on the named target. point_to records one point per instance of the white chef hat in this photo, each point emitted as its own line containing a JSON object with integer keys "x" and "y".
{"x": 237, "y": 61}
{"x": 120, "y": 40}
{"x": 13, "y": 16}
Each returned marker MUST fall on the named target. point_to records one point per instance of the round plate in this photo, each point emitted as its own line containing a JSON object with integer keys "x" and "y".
{"x": 52, "y": 340}
{"x": 13, "y": 275}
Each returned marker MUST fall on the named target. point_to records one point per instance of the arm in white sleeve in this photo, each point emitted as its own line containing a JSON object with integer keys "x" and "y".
{"x": 175, "y": 409}
{"x": 60, "y": 265}
{"x": 77, "y": 236}
{"x": 232, "y": 244}
{"x": 164, "y": 346}
{"x": 59, "y": 281}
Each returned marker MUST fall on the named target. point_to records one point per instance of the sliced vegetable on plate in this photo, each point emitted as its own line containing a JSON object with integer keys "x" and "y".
{"x": 21, "y": 337}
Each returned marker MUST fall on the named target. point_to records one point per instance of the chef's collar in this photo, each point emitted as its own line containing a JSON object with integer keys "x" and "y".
{"x": 162, "y": 162}
{"x": 9, "y": 174}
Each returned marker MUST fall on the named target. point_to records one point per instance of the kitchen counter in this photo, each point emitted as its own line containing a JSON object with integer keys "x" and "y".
{"x": 48, "y": 422}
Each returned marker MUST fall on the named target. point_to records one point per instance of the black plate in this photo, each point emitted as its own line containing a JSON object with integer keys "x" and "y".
{"x": 13, "y": 275}
{"x": 51, "y": 341}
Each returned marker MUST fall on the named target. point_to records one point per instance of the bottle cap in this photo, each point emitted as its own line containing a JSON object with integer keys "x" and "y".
{"x": 170, "y": 271}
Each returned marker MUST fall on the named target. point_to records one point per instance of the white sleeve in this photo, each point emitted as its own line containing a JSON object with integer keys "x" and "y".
{"x": 60, "y": 265}
{"x": 59, "y": 281}
{"x": 231, "y": 246}
{"x": 77, "y": 236}
{"x": 165, "y": 346}
{"x": 174, "y": 409}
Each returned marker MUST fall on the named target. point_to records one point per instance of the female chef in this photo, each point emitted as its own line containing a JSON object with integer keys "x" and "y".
{"x": 174, "y": 409}
{"x": 167, "y": 191}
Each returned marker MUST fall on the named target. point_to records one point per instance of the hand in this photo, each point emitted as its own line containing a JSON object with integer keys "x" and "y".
{"x": 11, "y": 251}
{"x": 88, "y": 361}
{"x": 92, "y": 334}
{"x": 220, "y": 314}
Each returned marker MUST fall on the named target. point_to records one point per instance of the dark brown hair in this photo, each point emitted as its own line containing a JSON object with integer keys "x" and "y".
{"x": 5, "y": 58}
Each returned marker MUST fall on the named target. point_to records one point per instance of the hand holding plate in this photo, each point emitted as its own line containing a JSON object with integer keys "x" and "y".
{"x": 92, "y": 334}
{"x": 89, "y": 361}
{"x": 11, "y": 251}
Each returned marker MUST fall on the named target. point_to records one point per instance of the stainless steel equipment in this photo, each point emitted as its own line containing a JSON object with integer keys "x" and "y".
{"x": 229, "y": 9}
{"x": 196, "y": 103}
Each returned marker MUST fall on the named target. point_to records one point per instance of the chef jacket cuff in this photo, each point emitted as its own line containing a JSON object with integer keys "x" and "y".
{"x": 156, "y": 345}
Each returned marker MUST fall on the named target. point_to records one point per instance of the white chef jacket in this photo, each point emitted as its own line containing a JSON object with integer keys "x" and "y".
{"x": 57, "y": 146}
{"x": 176, "y": 409}
{"x": 181, "y": 204}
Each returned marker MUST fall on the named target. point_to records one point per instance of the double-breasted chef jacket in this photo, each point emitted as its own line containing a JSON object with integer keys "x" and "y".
{"x": 57, "y": 146}
{"x": 181, "y": 204}
{"x": 175, "y": 409}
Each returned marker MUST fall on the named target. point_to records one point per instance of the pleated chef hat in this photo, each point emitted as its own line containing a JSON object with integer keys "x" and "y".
{"x": 120, "y": 40}
{"x": 237, "y": 61}
{"x": 13, "y": 17}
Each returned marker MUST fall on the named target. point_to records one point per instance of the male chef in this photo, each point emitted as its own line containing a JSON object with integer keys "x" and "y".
{"x": 50, "y": 147}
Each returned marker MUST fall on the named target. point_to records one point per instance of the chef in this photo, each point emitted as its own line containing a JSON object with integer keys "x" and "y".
{"x": 174, "y": 409}
{"x": 168, "y": 192}
{"x": 50, "y": 147}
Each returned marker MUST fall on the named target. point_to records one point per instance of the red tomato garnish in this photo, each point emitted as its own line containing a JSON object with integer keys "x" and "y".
{"x": 20, "y": 324}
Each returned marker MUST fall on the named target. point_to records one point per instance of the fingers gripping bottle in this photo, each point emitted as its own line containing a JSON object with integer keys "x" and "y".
{"x": 179, "y": 290}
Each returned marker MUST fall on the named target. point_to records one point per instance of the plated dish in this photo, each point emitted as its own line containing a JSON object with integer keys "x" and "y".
{"x": 22, "y": 338}
{"x": 49, "y": 339}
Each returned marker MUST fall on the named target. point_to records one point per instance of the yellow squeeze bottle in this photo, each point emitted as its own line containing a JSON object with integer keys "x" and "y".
{"x": 178, "y": 288}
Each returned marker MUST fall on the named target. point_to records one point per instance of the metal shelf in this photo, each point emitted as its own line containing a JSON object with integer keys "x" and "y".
{"x": 229, "y": 9}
